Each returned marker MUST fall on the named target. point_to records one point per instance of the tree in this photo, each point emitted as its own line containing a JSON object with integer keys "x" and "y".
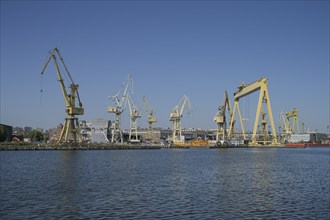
{"x": 36, "y": 136}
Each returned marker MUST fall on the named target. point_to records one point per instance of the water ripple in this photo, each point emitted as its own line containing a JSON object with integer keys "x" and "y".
{"x": 166, "y": 184}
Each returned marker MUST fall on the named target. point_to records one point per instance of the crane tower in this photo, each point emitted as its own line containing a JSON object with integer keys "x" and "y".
{"x": 70, "y": 130}
{"x": 151, "y": 118}
{"x": 220, "y": 119}
{"x": 134, "y": 114}
{"x": 119, "y": 101}
{"x": 176, "y": 116}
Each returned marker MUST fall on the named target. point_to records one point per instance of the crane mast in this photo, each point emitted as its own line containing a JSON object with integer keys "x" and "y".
{"x": 151, "y": 119}
{"x": 119, "y": 101}
{"x": 134, "y": 114}
{"x": 176, "y": 116}
{"x": 70, "y": 130}
{"x": 244, "y": 90}
{"x": 264, "y": 131}
{"x": 220, "y": 119}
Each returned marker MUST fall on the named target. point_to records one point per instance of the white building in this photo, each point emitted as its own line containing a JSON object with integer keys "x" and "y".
{"x": 95, "y": 131}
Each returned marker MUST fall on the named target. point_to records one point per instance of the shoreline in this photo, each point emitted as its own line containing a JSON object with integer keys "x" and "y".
{"x": 110, "y": 146}
{"x": 80, "y": 146}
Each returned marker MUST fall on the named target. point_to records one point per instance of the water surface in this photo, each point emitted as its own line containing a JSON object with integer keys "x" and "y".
{"x": 166, "y": 184}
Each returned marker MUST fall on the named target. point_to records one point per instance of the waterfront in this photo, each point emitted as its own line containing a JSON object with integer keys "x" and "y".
{"x": 236, "y": 183}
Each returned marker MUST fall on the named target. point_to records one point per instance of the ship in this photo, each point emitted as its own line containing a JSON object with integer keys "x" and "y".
{"x": 312, "y": 144}
{"x": 308, "y": 140}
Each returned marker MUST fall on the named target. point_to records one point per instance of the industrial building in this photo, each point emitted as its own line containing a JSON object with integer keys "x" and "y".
{"x": 95, "y": 131}
{"x": 6, "y": 133}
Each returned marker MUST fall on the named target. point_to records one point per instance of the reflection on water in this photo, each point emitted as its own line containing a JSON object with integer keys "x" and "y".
{"x": 66, "y": 179}
{"x": 168, "y": 183}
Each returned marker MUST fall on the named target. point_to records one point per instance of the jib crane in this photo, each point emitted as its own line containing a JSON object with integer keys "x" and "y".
{"x": 70, "y": 130}
{"x": 292, "y": 114}
{"x": 119, "y": 100}
{"x": 176, "y": 116}
{"x": 151, "y": 118}
{"x": 284, "y": 125}
{"x": 244, "y": 90}
{"x": 220, "y": 119}
{"x": 134, "y": 114}
{"x": 285, "y": 135}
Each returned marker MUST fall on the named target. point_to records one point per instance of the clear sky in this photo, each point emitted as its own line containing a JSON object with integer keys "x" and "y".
{"x": 170, "y": 48}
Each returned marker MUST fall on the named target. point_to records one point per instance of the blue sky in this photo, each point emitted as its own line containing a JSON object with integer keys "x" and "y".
{"x": 197, "y": 48}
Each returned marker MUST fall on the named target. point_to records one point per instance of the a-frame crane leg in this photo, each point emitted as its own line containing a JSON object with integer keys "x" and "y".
{"x": 62, "y": 132}
{"x": 256, "y": 121}
{"x": 241, "y": 121}
{"x": 232, "y": 121}
{"x": 68, "y": 128}
{"x": 270, "y": 114}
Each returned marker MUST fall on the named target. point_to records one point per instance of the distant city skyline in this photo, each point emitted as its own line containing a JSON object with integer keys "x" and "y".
{"x": 171, "y": 49}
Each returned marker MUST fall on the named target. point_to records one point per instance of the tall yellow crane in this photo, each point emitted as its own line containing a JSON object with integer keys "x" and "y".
{"x": 70, "y": 130}
{"x": 292, "y": 114}
{"x": 120, "y": 100}
{"x": 244, "y": 90}
{"x": 220, "y": 119}
{"x": 134, "y": 114}
{"x": 151, "y": 118}
{"x": 176, "y": 116}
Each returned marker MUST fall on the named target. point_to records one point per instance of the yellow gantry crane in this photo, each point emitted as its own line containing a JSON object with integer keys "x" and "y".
{"x": 244, "y": 90}
{"x": 220, "y": 119}
{"x": 70, "y": 130}
{"x": 151, "y": 118}
{"x": 176, "y": 115}
{"x": 120, "y": 101}
{"x": 292, "y": 114}
{"x": 134, "y": 114}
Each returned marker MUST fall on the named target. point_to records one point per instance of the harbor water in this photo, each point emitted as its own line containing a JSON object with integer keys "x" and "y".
{"x": 236, "y": 183}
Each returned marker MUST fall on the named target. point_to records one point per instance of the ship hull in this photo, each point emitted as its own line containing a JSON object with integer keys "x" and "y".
{"x": 307, "y": 145}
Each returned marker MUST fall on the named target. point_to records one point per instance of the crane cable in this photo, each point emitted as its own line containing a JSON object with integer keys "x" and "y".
{"x": 41, "y": 87}
{"x": 42, "y": 80}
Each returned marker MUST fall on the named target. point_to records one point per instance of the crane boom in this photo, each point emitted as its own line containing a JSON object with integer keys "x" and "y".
{"x": 69, "y": 126}
{"x": 60, "y": 78}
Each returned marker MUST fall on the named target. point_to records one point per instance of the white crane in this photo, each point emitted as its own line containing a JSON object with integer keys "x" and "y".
{"x": 119, "y": 100}
{"x": 134, "y": 114}
{"x": 176, "y": 115}
{"x": 151, "y": 118}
